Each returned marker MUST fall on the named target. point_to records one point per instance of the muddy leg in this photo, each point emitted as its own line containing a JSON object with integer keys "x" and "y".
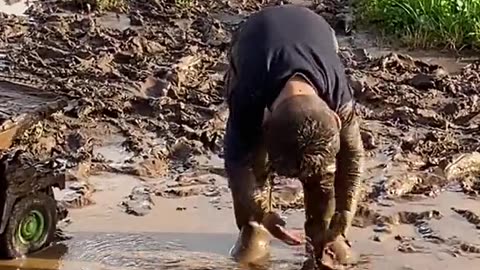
{"x": 242, "y": 165}
{"x": 319, "y": 208}
{"x": 248, "y": 199}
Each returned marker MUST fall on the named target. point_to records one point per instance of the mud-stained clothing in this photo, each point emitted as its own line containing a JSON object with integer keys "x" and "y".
{"x": 272, "y": 46}
{"x": 267, "y": 50}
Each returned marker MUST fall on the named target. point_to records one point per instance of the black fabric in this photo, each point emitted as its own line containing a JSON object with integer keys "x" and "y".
{"x": 271, "y": 46}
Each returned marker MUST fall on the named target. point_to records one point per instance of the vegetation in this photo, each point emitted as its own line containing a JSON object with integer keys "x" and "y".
{"x": 424, "y": 23}
{"x": 103, "y": 5}
{"x": 184, "y": 4}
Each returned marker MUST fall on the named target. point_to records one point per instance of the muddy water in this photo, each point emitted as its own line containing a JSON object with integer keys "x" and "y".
{"x": 115, "y": 21}
{"x": 452, "y": 62}
{"x": 199, "y": 235}
{"x": 106, "y": 238}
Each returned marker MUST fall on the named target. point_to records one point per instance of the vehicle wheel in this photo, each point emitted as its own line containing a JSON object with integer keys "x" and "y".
{"x": 31, "y": 226}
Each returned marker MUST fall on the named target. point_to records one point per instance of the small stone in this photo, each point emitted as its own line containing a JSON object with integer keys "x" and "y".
{"x": 382, "y": 228}
{"x": 77, "y": 195}
{"x": 61, "y": 235}
{"x": 139, "y": 202}
{"x": 368, "y": 140}
{"x": 355, "y": 83}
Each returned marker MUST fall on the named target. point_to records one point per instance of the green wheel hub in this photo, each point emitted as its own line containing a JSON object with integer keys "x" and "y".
{"x": 31, "y": 228}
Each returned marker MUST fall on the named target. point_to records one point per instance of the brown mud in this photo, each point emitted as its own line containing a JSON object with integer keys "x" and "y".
{"x": 141, "y": 139}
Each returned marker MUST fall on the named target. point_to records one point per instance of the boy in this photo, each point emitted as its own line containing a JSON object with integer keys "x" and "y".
{"x": 288, "y": 98}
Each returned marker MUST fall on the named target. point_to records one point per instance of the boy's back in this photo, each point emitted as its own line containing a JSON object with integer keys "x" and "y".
{"x": 281, "y": 40}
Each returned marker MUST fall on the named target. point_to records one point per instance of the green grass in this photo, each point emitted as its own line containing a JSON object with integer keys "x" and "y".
{"x": 424, "y": 23}
{"x": 184, "y": 4}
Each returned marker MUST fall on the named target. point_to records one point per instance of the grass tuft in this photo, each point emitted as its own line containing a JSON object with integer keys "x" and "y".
{"x": 454, "y": 24}
{"x": 184, "y": 4}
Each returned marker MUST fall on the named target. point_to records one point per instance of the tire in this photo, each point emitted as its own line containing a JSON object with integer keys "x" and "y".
{"x": 40, "y": 211}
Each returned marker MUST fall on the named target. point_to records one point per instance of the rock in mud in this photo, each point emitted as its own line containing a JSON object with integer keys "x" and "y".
{"x": 190, "y": 184}
{"x": 470, "y": 248}
{"x": 398, "y": 186}
{"x": 62, "y": 211}
{"x": 427, "y": 233}
{"x": 77, "y": 195}
{"x": 470, "y": 186}
{"x": 147, "y": 167}
{"x": 369, "y": 142}
{"x": 179, "y": 192}
{"x": 407, "y": 217}
{"x": 139, "y": 202}
{"x": 79, "y": 173}
{"x": 365, "y": 217}
{"x": 410, "y": 247}
{"x": 463, "y": 165}
{"x": 184, "y": 149}
{"x": 60, "y": 234}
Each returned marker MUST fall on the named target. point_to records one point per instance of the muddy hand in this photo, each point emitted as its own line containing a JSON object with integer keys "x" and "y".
{"x": 336, "y": 254}
{"x": 252, "y": 245}
{"x": 276, "y": 226}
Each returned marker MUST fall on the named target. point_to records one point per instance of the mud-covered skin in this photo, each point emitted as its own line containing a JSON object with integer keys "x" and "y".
{"x": 349, "y": 170}
{"x": 252, "y": 245}
{"x": 247, "y": 170}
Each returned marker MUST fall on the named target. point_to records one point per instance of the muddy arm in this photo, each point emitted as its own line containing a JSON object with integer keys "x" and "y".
{"x": 245, "y": 156}
{"x": 349, "y": 169}
{"x": 243, "y": 162}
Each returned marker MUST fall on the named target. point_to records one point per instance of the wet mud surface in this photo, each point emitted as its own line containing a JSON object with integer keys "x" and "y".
{"x": 140, "y": 140}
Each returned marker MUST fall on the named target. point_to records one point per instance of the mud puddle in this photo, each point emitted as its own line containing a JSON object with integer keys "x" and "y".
{"x": 115, "y": 21}
{"x": 111, "y": 20}
{"x": 15, "y": 7}
{"x": 105, "y": 237}
{"x": 453, "y": 63}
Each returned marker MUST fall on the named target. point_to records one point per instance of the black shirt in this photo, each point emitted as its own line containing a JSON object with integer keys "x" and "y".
{"x": 271, "y": 46}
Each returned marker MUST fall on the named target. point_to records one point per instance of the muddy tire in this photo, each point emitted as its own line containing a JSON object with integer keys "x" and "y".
{"x": 31, "y": 226}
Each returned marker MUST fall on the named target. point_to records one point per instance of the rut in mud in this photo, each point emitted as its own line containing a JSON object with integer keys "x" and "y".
{"x": 153, "y": 88}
